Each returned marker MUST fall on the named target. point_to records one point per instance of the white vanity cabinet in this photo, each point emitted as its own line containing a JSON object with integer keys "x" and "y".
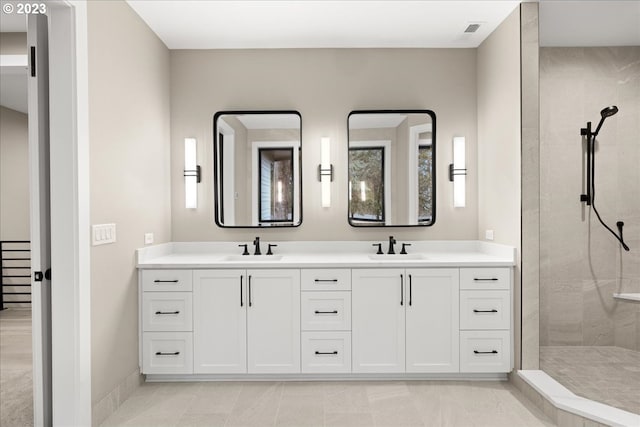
{"x": 377, "y": 320}
{"x": 220, "y": 322}
{"x": 326, "y": 316}
{"x": 325, "y": 320}
{"x": 246, "y": 321}
{"x": 273, "y": 321}
{"x": 485, "y": 320}
{"x": 432, "y": 320}
{"x": 166, "y": 322}
{"x": 405, "y": 320}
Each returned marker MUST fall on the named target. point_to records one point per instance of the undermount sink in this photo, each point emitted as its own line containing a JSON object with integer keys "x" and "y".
{"x": 252, "y": 258}
{"x": 396, "y": 257}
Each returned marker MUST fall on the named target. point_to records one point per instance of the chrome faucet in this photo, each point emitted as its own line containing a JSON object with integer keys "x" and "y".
{"x": 392, "y": 242}
{"x": 256, "y": 243}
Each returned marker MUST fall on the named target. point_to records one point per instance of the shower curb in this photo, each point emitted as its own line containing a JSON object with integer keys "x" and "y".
{"x": 565, "y": 408}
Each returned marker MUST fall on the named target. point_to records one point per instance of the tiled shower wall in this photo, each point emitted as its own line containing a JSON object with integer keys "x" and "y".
{"x": 581, "y": 264}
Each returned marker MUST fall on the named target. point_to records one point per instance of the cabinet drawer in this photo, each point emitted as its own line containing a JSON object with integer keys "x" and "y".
{"x": 167, "y": 353}
{"x": 326, "y": 352}
{"x": 326, "y": 280}
{"x": 326, "y": 311}
{"x": 485, "y": 309}
{"x": 485, "y": 278}
{"x": 485, "y": 351}
{"x": 167, "y": 311}
{"x": 166, "y": 280}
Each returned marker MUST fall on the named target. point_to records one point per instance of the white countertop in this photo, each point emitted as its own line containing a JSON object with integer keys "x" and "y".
{"x": 325, "y": 255}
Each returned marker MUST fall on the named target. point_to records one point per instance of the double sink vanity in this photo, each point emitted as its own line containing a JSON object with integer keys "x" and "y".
{"x": 326, "y": 310}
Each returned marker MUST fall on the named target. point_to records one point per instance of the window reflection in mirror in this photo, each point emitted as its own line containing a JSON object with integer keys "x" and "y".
{"x": 257, "y": 169}
{"x": 275, "y": 185}
{"x": 391, "y": 168}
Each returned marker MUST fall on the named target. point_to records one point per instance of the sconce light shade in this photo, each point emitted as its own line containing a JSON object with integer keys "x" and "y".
{"x": 191, "y": 174}
{"x": 458, "y": 172}
{"x": 325, "y": 171}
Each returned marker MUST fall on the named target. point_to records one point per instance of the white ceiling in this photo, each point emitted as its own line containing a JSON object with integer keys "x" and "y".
{"x": 218, "y": 24}
{"x": 375, "y": 121}
{"x": 13, "y": 82}
{"x": 269, "y": 121}
{"x": 13, "y": 22}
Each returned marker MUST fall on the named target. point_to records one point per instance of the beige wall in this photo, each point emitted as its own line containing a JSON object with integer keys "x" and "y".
{"x": 129, "y": 149}
{"x": 14, "y": 175}
{"x": 582, "y": 265}
{"x": 324, "y": 85}
{"x": 13, "y": 43}
{"x": 499, "y": 141}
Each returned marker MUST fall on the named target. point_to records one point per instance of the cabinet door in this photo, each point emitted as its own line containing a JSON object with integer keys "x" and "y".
{"x": 273, "y": 315}
{"x": 432, "y": 329}
{"x": 219, "y": 321}
{"x": 378, "y": 320}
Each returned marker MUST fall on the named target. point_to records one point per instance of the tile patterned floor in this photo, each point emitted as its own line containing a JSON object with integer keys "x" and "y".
{"x": 610, "y": 375}
{"x": 16, "y": 381}
{"x": 375, "y": 403}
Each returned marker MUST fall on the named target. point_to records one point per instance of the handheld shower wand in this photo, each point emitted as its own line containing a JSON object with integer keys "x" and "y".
{"x": 590, "y": 196}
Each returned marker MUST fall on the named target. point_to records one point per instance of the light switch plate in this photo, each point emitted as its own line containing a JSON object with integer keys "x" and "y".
{"x": 488, "y": 234}
{"x": 101, "y": 234}
{"x": 148, "y": 238}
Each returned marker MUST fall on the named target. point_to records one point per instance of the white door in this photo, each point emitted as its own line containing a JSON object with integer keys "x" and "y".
{"x": 273, "y": 321}
{"x": 378, "y": 320}
{"x": 38, "y": 109}
{"x": 432, "y": 329}
{"x": 219, "y": 322}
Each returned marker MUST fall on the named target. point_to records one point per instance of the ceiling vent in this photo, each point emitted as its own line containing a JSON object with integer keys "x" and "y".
{"x": 472, "y": 28}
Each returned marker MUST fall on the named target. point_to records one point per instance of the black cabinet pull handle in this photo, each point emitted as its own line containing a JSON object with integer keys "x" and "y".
{"x": 326, "y": 352}
{"x": 167, "y": 312}
{"x": 165, "y": 281}
{"x": 486, "y": 352}
{"x": 241, "y": 302}
{"x": 325, "y": 280}
{"x": 401, "y": 289}
{"x": 410, "y": 290}
{"x": 326, "y": 312}
{"x": 159, "y": 353}
{"x": 493, "y": 279}
{"x": 485, "y": 311}
{"x": 249, "y": 291}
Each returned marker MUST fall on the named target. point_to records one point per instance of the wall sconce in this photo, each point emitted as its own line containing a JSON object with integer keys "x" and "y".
{"x": 191, "y": 174}
{"x": 325, "y": 171}
{"x": 458, "y": 172}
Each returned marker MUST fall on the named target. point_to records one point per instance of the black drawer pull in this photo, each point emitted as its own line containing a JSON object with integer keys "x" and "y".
{"x": 485, "y": 311}
{"x": 325, "y": 280}
{"x": 326, "y": 352}
{"x": 326, "y": 312}
{"x": 166, "y": 281}
{"x": 159, "y": 353}
{"x": 493, "y": 279}
{"x": 486, "y": 352}
{"x": 167, "y": 312}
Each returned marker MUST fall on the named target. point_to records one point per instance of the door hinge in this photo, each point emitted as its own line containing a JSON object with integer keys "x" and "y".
{"x": 33, "y": 61}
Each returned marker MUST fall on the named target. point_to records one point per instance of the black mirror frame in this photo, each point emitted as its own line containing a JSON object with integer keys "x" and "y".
{"x": 433, "y": 177}
{"x": 215, "y": 166}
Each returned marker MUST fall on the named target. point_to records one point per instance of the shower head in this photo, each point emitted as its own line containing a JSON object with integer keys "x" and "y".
{"x": 609, "y": 111}
{"x": 606, "y": 112}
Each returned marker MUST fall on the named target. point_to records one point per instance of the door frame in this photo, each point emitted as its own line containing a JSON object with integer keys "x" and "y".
{"x": 69, "y": 193}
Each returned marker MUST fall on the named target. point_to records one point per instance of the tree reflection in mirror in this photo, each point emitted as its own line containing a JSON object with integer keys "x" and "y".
{"x": 392, "y": 168}
{"x": 366, "y": 184}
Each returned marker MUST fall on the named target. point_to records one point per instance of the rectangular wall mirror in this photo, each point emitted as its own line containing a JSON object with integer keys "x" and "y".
{"x": 257, "y": 168}
{"x": 392, "y": 178}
